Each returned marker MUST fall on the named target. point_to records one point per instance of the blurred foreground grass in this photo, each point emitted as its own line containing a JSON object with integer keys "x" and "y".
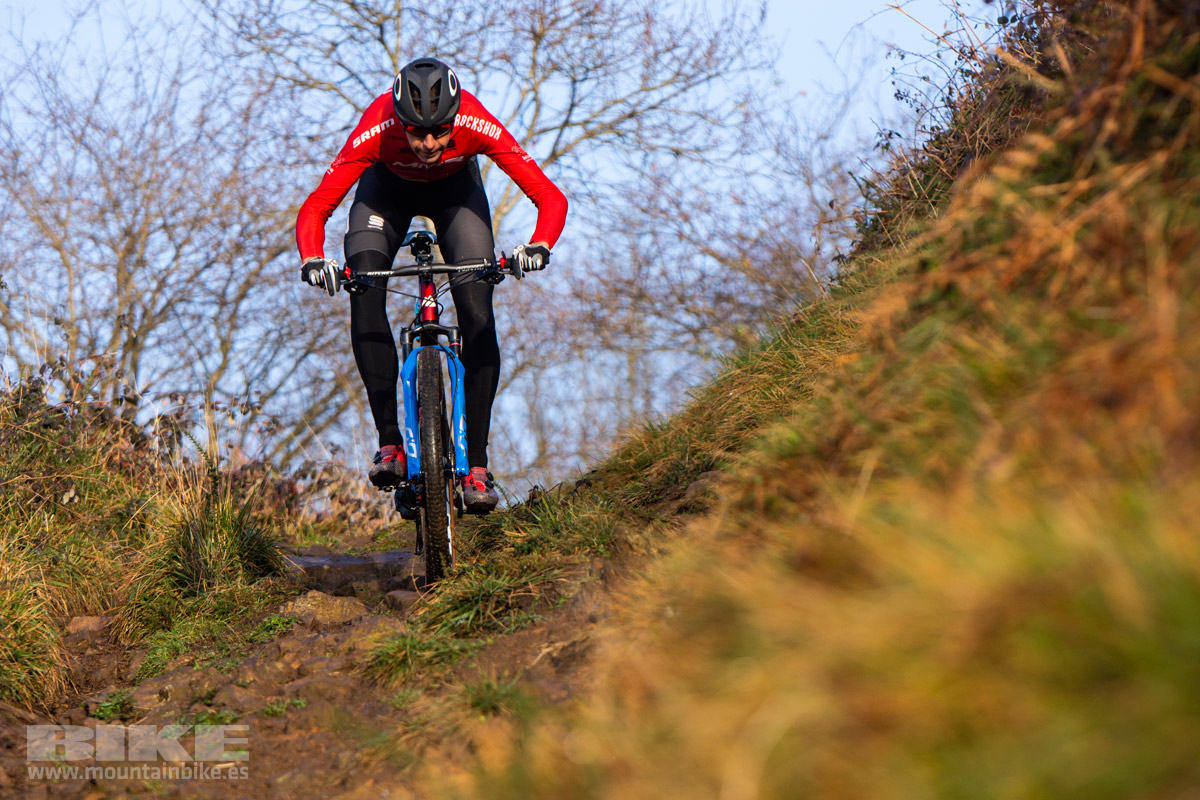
{"x": 955, "y": 553}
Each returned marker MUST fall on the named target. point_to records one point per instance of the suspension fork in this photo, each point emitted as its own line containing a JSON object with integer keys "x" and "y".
{"x": 425, "y": 331}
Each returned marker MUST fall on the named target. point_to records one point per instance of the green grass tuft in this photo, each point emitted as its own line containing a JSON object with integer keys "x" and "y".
{"x": 492, "y": 695}
{"x": 271, "y": 627}
{"x": 409, "y": 653}
{"x": 278, "y": 708}
{"x": 116, "y": 706}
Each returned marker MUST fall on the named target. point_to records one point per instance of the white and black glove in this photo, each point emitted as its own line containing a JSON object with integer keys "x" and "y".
{"x": 322, "y": 272}
{"x": 529, "y": 258}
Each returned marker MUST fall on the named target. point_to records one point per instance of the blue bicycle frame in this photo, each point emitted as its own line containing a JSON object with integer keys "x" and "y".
{"x": 458, "y": 414}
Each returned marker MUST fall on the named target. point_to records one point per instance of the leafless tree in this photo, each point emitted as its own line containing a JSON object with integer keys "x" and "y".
{"x": 143, "y": 228}
{"x": 640, "y": 111}
{"x": 147, "y": 194}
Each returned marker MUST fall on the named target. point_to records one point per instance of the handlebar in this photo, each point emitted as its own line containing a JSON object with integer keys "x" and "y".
{"x": 420, "y": 244}
{"x": 494, "y": 271}
{"x": 501, "y": 265}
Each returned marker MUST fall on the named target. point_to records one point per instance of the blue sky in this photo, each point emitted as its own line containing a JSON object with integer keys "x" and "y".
{"x": 827, "y": 47}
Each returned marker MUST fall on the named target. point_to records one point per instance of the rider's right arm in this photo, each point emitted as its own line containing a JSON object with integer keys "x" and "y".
{"x": 360, "y": 151}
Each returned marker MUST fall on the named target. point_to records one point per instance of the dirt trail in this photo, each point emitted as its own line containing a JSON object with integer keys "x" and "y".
{"x": 314, "y": 721}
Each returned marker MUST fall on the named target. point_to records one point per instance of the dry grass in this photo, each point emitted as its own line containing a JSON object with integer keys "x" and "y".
{"x": 31, "y": 654}
{"x": 758, "y": 386}
{"x": 100, "y": 516}
{"x": 1002, "y": 649}
{"x": 964, "y": 564}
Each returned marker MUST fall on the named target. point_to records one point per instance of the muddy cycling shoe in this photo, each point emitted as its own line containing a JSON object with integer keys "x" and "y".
{"x": 390, "y": 468}
{"x": 479, "y": 491}
{"x": 406, "y": 502}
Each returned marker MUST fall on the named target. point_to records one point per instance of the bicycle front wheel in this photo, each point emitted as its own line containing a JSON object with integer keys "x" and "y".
{"x": 436, "y": 514}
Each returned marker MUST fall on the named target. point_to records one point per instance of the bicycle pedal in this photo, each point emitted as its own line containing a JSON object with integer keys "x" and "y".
{"x": 405, "y": 502}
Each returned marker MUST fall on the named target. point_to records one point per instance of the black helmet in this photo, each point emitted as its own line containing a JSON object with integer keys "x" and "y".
{"x": 426, "y": 94}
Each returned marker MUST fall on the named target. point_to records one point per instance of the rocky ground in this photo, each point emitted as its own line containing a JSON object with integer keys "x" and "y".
{"x": 316, "y": 727}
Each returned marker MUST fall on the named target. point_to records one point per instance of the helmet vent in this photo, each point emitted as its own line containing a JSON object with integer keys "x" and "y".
{"x": 435, "y": 95}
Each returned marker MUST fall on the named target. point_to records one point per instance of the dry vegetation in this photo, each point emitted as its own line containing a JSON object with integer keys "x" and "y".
{"x": 964, "y": 564}
{"x": 100, "y": 516}
{"x": 953, "y": 551}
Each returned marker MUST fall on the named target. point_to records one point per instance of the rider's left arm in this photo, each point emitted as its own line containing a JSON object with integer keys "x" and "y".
{"x": 549, "y": 200}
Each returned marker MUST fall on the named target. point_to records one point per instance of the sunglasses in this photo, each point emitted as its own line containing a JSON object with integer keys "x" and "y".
{"x": 418, "y": 132}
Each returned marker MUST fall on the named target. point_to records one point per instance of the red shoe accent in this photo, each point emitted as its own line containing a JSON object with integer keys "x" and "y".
{"x": 389, "y": 453}
{"x": 476, "y": 479}
{"x": 390, "y": 467}
{"x": 479, "y": 492}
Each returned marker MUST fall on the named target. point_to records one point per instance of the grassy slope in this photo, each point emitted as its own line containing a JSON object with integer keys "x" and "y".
{"x": 955, "y": 555}
{"x": 97, "y": 518}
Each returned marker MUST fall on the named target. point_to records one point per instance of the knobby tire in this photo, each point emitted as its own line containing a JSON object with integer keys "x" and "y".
{"x": 436, "y": 516}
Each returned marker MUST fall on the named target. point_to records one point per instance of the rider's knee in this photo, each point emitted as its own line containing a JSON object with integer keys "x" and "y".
{"x": 361, "y": 258}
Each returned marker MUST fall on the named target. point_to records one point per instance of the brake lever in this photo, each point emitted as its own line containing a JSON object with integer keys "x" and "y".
{"x": 513, "y": 265}
{"x": 494, "y": 274}
{"x": 355, "y": 285}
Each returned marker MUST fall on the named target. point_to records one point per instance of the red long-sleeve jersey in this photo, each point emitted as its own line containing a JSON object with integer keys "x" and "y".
{"x": 379, "y": 136}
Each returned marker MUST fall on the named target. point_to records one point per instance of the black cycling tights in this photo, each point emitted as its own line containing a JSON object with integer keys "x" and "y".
{"x": 383, "y": 208}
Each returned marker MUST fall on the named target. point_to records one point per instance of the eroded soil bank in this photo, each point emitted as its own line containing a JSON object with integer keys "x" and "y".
{"x": 315, "y": 724}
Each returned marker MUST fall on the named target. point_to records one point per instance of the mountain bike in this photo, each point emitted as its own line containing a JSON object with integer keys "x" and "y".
{"x": 431, "y": 379}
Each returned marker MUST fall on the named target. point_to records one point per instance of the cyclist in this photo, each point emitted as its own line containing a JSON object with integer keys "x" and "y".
{"x": 414, "y": 153}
